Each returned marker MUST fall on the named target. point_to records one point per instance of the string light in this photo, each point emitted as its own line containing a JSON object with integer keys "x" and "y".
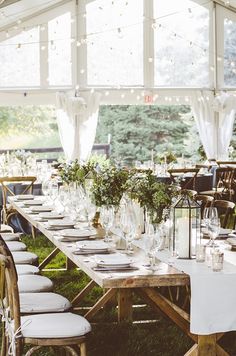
{"x": 84, "y": 40}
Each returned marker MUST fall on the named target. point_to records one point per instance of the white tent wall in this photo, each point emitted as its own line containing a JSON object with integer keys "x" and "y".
{"x": 133, "y": 95}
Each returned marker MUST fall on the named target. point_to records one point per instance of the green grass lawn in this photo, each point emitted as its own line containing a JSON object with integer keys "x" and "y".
{"x": 108, "y": 338}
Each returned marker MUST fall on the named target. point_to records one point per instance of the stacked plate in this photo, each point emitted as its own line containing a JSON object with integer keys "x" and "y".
{"x": 60, "y": 224}
{"x": 116, "y": 262}
{"x": 49, "y": 214}
{"x": 40, "y": 209}
{"x": 224, "y": 233}
{"x": 91, "y": 247}
{"x": 232, "y": 242}
{"x": 33, "y": 202}
{"x": 77, "y": 234}
{"x": 24, "y": 197}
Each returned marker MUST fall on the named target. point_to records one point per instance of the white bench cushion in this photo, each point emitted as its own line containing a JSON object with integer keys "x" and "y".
{"x": 33, "y": 284}
{"x": 10, "y": 236}
{"x": 26, "y": 269}
{"x": 24, "y": 257}
{"x": 5, "y": 228}
{"x": 43, "y": 303}
{"x": 16, "y": 246}
{"x": 55, "y": 325}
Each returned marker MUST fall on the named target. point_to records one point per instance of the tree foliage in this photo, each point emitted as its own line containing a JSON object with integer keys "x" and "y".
{"x": 137, "y": 130}
{"x": 33, "y": 119}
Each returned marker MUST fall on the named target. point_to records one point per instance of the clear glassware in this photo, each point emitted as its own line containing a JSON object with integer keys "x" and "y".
{"x": 107, "y": 214}
{"x": 209, "y": 214}
{"x": 63, "y": 196}
{"x": 152, "y": 245}
{"x": 214, "y": 229}
{"x": 53, "y": 190}
{"x": 46, "y": 187}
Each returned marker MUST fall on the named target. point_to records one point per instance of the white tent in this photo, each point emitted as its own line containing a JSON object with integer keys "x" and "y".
{"x": 123, "y": 52}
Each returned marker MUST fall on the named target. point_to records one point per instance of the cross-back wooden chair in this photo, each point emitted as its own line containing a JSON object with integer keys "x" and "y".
{"x": 8, "y": 211}
{"x": 225, "y": 208}
{"x": 226, "y": 163}
{"x": 181, "y": 173}
{"x": 65, "y": 330}
{"x": 224, "y": 183}
{"x": 204, "y": 200}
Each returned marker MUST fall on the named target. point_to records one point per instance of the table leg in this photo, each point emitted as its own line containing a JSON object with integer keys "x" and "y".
{"x": 80, "y": 296}
{"x": 48, "y": 259}
{"x": 124, "y": 305}
{"x": 207, "y": 345}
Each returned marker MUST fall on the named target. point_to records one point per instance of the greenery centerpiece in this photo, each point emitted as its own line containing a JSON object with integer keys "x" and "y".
{"x": 166, "y": 157}
{"x": 154, "y": 196}
{"x": 109, "y": 185}
{"x": 74, "y": 172}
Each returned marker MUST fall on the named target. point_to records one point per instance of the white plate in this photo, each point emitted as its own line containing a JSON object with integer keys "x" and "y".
{"x": 232, "y": 241}
{"x": 77, "y": 233}
{"x": 225, "y": 231}
{"x": 40, "y": 208}
{"x": 92, "y": 246}
{"x": 60, "y": 223}
{"x": 113, "y": 261}
{"x": 24, "y": 197}
{"x": 34, "y": 202}
{"x": 51, "y": 215}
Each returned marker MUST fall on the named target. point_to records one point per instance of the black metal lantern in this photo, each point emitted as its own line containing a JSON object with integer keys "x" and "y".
{"x": 186, "y": 227}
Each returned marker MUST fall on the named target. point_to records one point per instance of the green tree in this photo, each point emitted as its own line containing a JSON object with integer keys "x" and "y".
{"x": 136, "y": 130}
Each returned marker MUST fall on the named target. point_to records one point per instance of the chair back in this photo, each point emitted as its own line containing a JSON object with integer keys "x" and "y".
{"x": 10, "y": 303}
{"x": 226, "y": 163}
{"x": 8, "y": 190}
{"x": 204, "y": 200}
{"x": 226, "y": 209}
{"x": 224, "y": 180}
{"x": 181, "y": 172}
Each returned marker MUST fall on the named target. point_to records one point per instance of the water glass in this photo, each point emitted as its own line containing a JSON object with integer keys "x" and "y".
{"x": 200, "y": 253}
{"x": 217, "y": 261}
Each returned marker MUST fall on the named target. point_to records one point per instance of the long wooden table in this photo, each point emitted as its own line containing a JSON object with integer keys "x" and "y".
{"x": 122, "y": 285}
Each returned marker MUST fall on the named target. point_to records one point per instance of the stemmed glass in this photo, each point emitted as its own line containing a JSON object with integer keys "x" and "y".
{"x": 53, "y": 190}
{"x": 214, "y": 229}
{"x": 210, "y": 214}
{"x": 46, "y": 187}
{"x": 63, "y": 196}
{"x": 128, "y": 226}
{"x": 152, "y": 244}
{"x": 107, "y": 214}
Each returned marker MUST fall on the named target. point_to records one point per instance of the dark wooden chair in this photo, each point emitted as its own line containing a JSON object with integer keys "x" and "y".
{"x": 225, "y": 210}
{"x": 204, "y": 200}
{"x": 226, "y": 163}
{"x": 181, "y": 173}
{"x": 224, "y": 183}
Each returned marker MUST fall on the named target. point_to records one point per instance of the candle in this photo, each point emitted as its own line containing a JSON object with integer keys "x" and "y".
{"x": 183, "y": 237}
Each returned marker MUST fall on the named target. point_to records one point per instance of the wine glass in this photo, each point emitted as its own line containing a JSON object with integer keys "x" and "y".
{"x": 214, "y": 229}
{"x": 63, "y": 194}
{"x": 209, "y": 214}
{"x": 46, "y": 187}
{"x": 107, "y": 214}
{"x": 131, "y": 231}
{"x": 53, "y": 190}
{"x": 153, "y": 242}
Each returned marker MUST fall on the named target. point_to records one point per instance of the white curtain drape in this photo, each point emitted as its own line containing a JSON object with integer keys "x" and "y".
{"x": 77, "y": 118}
{"x": 202, "y": 108}
{"x": 225, "y": 105}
